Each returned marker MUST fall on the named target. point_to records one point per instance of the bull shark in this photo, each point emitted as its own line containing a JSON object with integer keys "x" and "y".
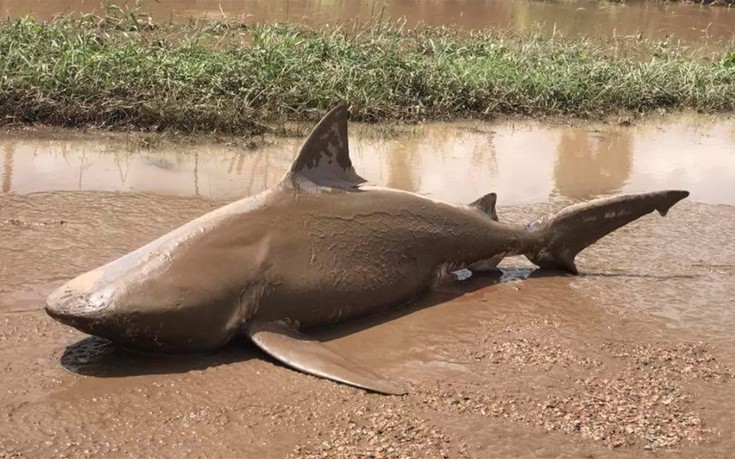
{"x": 320, "y": 248}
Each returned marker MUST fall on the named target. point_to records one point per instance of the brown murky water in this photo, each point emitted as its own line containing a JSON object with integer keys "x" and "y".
{"x": 524, "y": 162}
{"x": 692, "y": 24}
{"x": 634, "y": 357}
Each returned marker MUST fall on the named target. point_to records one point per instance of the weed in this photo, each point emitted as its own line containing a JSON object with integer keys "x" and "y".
{"x": 124, "y": 71}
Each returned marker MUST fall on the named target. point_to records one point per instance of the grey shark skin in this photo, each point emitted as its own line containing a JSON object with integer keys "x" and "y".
{"x": 317, "y": 249}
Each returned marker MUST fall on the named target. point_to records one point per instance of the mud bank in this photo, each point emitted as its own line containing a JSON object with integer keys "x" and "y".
{"x": 633, "y": 356}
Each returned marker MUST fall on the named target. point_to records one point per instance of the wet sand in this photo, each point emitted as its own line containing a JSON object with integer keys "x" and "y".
{"x": 633, "y": 357}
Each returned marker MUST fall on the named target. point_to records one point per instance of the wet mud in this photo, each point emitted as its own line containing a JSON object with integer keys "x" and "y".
{"x": 690, "y": 24}
{"x": 633, "y": 357}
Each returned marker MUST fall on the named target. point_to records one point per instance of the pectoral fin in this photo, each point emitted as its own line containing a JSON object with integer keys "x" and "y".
{"x": 294, "y": 349}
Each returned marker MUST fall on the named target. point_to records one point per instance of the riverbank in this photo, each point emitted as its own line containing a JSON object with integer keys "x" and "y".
{"x": 125, "y": 71}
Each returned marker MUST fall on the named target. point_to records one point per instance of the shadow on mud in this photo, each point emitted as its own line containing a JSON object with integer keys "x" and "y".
{"x": 642, "y": 276}
{"x": 451, "y": 290}
{"x": 442, "y": 293}
{"x": 98, "y": 357}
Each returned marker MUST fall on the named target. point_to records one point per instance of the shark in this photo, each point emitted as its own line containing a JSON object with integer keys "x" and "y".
{"x": 320, "y": 248}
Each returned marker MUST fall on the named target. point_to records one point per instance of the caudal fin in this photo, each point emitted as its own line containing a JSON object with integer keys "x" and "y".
{"x": 563, "y": 235}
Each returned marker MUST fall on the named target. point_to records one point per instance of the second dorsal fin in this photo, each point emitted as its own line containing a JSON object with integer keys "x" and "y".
{"x": 486, "y": 204}
{"x": 324, "y": 158}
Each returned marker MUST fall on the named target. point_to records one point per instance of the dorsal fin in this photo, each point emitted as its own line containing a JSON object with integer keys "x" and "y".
{"x": 486, "y": 204}
{"x": 324, "y": 158}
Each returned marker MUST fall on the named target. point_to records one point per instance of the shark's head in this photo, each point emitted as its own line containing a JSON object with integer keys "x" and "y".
{"x": 137, "y": 309}
{"x": 194, "y": 288}
{"x": 81, "y": 302}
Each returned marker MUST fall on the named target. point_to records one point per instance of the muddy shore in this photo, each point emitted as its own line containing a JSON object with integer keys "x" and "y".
{"x": 629, "y": 359}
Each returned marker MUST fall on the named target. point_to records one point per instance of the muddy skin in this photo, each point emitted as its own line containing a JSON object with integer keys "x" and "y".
{"x": 316, "y": 250}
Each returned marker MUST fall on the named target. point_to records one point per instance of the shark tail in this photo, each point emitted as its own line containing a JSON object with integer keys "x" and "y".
{"x": 561, "y": 236}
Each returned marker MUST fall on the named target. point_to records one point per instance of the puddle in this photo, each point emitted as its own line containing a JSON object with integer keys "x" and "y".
{"x": 693, "y": 24}
{"x": 524, "y": 162}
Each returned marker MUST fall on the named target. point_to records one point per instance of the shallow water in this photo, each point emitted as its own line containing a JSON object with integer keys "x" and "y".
{"x": 695, "y": 25}
{"x": 70, "y": 202}
{"x": 524, "y": 162}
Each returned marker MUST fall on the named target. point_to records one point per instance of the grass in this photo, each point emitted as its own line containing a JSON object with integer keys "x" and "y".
{"x": 124, "y": 71}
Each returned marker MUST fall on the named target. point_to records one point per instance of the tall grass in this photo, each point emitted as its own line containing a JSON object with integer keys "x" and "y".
{"x": 219, "y": 76}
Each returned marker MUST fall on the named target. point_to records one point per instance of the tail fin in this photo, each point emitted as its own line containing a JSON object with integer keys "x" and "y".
{"x": 563, "y": 235}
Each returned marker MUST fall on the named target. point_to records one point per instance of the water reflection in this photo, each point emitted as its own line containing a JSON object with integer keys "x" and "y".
{"x": 8, "y": 166}
{"x": 691, "y": 23}
{"x": 522, "y": 162}
{"x": 400, "y": 168}
{"x": 592, "y": 162}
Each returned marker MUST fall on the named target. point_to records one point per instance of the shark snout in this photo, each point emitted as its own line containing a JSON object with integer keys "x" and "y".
{"x": 81, "y": 309}
{"x": 141, "y": 311}
{"x": 71, "y": 314}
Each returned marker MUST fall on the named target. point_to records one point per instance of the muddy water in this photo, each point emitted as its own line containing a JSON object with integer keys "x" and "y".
{"x": 693, "y": 24}
{"x": 524, "y": 162}
{"x": 632, "y": 358}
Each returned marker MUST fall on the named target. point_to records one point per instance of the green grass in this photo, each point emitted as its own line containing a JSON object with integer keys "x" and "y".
{"x": 126, "y": 72}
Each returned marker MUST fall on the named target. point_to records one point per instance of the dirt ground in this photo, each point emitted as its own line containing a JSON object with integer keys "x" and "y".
{"x": 633, "y": 358}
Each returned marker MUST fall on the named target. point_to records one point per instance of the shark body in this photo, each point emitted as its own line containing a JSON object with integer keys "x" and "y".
{"x": 318, "y": 249}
